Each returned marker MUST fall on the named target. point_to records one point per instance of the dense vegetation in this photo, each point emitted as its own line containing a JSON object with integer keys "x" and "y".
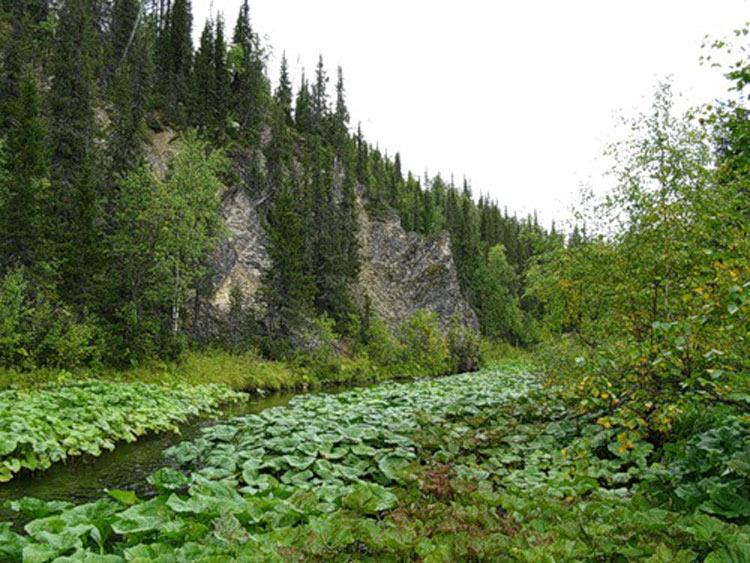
{"x": 482, "y": 466}
{"x": 632, "y": 443}
{"x": 106, "y": 254}
{"x": 46, "y": 426}
{"x": 649, "y": 313}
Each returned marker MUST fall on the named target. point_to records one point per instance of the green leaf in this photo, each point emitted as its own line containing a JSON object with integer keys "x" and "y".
{"x": 168, "y": 479}
{"x": 369, "y": 498}
{"x": 126, "y": 498}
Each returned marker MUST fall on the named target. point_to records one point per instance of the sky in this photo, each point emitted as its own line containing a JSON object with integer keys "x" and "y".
{"x": 521, "y": 97}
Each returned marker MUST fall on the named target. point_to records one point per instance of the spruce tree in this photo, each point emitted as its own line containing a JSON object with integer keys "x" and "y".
{"x": 324, "y": 229}
{"x": 319, "y": 100}
{"x": 349, "y": 223}
{"x": 130, "y": 94}
{"x": 287, "y": 287}
{"x": 75, "y": 199}
{"x": 221, "y": 95}
{"x": 203, "y": 80}
{"x": 177, "y": 60}
{"x": 125, "y": 19}
{"x": 362, "y": 159}
{"x": 303, "y": 113}
{"x": 341, "y": 113}
{"x": 22, "y": 226}
{"x": 283, "y": 93}
{"x": 395, "y": 184}
{"x": 279, "y": 151}
{"x": 250, "y": 88}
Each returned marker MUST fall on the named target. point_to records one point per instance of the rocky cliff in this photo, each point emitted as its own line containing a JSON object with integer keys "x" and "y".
{"x": 401, "y": 272}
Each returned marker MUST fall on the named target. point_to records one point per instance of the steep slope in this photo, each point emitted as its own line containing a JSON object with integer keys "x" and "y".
{"x": 401, "y": 272}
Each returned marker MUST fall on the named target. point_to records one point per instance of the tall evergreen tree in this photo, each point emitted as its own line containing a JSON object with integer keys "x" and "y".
{"x": 130, "y": 94}
{"x": 250, "y": 87}
{"x": 362, "y": 159}
{"x": 287, "y": 286}
{"x": 177, "y": 59}
{"x": 23, "y": 229}
{"x": 349, "y": 221}
{"x": 203, "y": 80}
{"x": 341, "y": 114}
{"x": 220, "y": 98}
{"x": 283, "y": 93}
{"x": 125, "y": 20}
{"x": 303, "y": 113}
{"x": 75, "y": 198}
{"x": 320, "y": 97}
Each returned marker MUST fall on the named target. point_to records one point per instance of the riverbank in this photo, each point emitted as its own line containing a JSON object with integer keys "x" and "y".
{"x": 249, "y": 372}
{"x": 482, "y": 466}
{"x": 48, "y": 417}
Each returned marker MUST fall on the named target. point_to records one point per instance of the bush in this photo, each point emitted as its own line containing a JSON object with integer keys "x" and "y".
{"x": 424, "y": 350}
{"x": 36, "y": 332}
{"x": 492, "y": 352}
{"x": 464, "y": 346}
{"x": 381, "y": 345}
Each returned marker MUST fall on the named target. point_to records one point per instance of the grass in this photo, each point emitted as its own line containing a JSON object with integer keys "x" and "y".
{"x": 247, "y": 371}
{"x": 242, "y": 372}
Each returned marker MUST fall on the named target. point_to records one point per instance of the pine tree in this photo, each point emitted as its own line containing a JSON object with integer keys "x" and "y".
{"x": 341, "y": 113}
{"x": 320, "y": 98}
{"x": 287, "y": 287}
{"x": 221, "y": 95}
{"x": 177, "y": 59}
{"x": 279, "y": 153}
{"x": 75, "y": 199}
{"x": 362, "y": 159}
{"x": 125, "y": 20}
{"x": 130, "y": 94}
{"x": 349, "y": 228}
{"x": 395, "y": 184}
{"x": 324, "y": 228}
{"x": 250, "y": 87}
{"x": 22, "y": 226}
{"x": 303, "y": 113}
{"x": 283, "y": 93}
{"x": 467, "y": 246}
{"x": 203, "y": 80}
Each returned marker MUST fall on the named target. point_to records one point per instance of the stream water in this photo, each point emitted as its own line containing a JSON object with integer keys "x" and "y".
{"x": 127, "y": 467}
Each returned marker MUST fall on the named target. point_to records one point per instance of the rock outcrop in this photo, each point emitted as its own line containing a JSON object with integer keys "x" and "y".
{"x": 401, "y": 272}
{"x": 404, "y": 272}
{"x": 242, "y": 258}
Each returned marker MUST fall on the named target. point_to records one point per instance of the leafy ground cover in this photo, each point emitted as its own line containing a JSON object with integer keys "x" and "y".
{"x": 474, "y": 467}
{"x": 43, "y": 426}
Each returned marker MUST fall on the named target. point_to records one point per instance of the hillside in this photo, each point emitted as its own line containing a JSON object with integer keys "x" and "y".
{"x": 154, "y": 185}
{"x": 232, "y": 328}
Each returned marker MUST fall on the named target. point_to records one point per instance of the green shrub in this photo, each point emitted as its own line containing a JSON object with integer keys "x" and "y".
{"x": 381, "y": 345}
{"x": 492, "y": 352}
{"x": 36, "y": 332}
{"x": 464, "y": 346}
{"x": 424, "y": 350}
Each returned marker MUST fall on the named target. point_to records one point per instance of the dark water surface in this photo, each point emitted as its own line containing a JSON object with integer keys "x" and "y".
{"x": 127, "y": 467}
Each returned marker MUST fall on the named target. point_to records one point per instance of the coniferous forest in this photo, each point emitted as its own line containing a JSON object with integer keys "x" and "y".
{"x": 594, "y": 407}
{"x": 110, "y": 255}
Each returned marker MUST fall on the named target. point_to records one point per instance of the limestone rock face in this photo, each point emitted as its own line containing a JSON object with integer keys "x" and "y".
{"x": 403, "y": 272}
{"x": 242, "y": 257}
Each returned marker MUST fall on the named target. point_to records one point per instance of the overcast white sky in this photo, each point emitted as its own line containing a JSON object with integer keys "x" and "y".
{"x": 519, "y": 96}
